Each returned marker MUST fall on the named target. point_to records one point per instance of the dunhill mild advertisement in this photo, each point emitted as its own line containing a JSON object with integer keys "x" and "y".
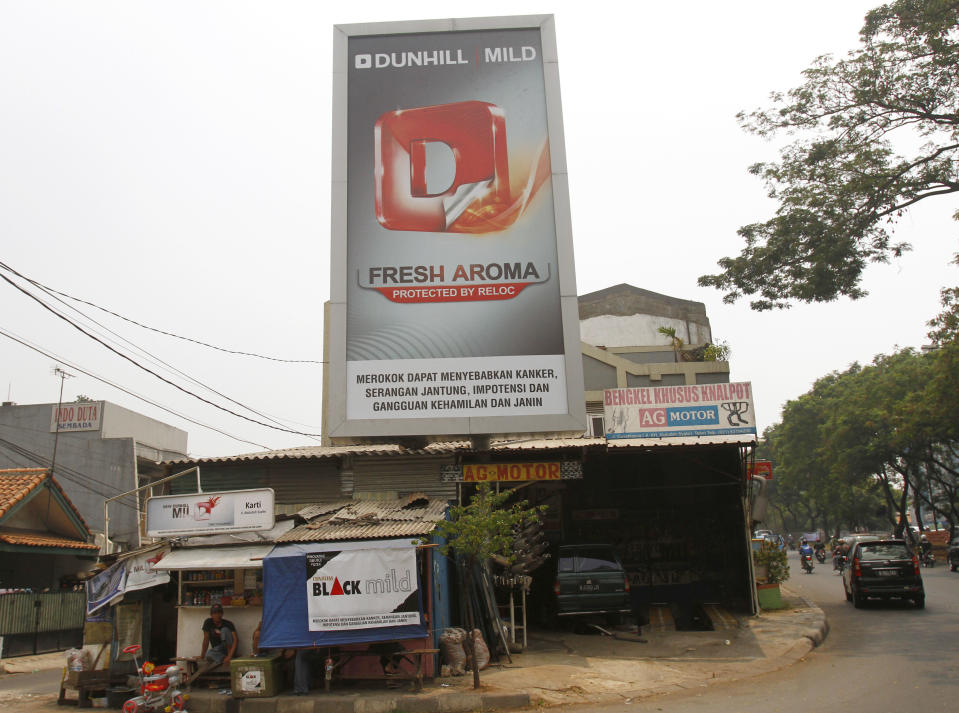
{"x": 455, "y": 233}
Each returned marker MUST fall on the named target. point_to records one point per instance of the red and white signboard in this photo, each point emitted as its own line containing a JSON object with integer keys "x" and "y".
{"x": 79, "y": 416}
{"x": 711, "y": 413}
{"x": 211, "y": 513}
{"x": 761, "y": 468}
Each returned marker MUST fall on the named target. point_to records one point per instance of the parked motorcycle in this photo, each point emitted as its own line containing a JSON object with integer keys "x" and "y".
{"x": 159, "y": 687}
{"x": 806, "y": 562}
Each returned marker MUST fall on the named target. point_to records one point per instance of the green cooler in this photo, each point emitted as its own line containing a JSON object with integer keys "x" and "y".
{"x": 255, "y": 677}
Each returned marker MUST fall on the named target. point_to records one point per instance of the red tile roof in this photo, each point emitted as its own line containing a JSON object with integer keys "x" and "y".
{"x": 17, "y": 483}
{"x": 31, "y": 540}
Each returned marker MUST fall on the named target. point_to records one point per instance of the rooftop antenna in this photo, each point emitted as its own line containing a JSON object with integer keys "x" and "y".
{"x": 57, "y": 371}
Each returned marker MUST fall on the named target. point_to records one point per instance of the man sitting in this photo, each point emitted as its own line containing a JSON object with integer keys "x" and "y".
{"x": 219, "y": 640}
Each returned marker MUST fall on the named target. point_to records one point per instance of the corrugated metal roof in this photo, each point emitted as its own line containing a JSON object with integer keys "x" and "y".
{"x": 394, "y": 449}
{"x": 742, "y": 439}
{"x": 414, "y": 516}
{"x": 309, "y": 452}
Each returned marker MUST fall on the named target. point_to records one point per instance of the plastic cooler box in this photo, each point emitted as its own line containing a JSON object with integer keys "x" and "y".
{"x": 255, "y": 677}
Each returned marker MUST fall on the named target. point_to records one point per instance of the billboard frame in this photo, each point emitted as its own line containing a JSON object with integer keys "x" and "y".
{"x": 336, "y": 425}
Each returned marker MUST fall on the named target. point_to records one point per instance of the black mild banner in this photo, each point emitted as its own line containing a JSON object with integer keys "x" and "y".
{"x": 361, "y": 589}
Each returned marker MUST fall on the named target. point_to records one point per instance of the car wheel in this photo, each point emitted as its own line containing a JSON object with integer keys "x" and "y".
{"x": 920, "y": 601}
{"x": 953, "y": 566}
{"x": 857, "y": 600}
{"x": 848, "y": 595}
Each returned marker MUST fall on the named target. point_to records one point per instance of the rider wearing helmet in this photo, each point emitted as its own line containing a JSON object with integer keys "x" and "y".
{"x": 925, "y": 546}
{"x": 838, "y": 552}
{"x": 805, "y": 551}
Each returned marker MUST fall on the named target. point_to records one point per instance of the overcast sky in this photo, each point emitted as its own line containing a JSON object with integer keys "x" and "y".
{"x": 170, "y": 161}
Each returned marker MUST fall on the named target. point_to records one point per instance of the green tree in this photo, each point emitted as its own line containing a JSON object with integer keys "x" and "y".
{"x": 487, "y": 526}
{"x": 841, "y": 185}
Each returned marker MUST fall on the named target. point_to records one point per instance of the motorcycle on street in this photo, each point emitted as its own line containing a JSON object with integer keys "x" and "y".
{"x": 806, "y": 562}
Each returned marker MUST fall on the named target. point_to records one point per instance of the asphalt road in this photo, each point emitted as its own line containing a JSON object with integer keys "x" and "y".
{"x": 29, "y": 692}
{"x": 885, "y": 658}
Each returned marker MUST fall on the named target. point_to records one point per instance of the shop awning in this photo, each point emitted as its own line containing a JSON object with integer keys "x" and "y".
{"x": 244, "y": 557}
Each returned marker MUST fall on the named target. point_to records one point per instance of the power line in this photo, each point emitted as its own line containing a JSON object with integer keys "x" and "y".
{"x": 127, "y": 391}
{"x": 143, "y": 352}
{"x": 154, "y": 329}
{"x": 64, "y": 472}
{"x": 149, "y": 371}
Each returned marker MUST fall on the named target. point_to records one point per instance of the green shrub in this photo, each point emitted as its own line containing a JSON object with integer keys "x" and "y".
{"x": 775, "y": 561}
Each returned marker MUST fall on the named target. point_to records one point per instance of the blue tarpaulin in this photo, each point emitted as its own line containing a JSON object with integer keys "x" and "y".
{"x": 285, "y": 610}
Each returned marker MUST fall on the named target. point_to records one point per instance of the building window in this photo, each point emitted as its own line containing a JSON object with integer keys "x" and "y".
{"x": 597, "y": 427}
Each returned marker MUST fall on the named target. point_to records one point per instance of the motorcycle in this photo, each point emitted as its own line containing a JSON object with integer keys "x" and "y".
{"x": 806, "y": 562}
{"x": 839, "y": 563}
{"x": 821, "y": 555}
{"x": 159, "y": 687}
{"x": 928, "y": 559}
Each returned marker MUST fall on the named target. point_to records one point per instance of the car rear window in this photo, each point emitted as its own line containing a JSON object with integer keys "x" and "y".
{"x": 599, "y": 559}
{"x": 884, "y": 551}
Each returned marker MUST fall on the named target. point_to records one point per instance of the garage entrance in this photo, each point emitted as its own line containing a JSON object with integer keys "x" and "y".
{"x": 676, "y": 518}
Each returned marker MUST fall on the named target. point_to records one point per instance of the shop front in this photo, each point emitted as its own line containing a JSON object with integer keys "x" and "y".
{"x": 231, "y": 576}
{"x": 359, "y": 591}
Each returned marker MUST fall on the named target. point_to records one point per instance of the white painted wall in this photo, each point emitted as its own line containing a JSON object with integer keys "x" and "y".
{"x": 639, "y": 330}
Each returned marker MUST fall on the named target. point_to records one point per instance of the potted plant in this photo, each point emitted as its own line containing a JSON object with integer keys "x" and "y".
{"x": 772, "y": 562}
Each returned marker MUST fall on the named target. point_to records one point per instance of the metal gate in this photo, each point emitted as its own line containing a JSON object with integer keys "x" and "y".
{"x": 42, "y": 622}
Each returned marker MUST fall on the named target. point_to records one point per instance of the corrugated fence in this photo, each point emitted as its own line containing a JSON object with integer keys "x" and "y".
{"x": 44, "y": 621}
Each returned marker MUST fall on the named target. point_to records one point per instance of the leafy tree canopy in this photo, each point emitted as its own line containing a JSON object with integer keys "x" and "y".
{"x": 841, "y": 184}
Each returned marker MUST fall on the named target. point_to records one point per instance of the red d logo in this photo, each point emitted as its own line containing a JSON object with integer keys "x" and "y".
{"x": 475, "y": 133}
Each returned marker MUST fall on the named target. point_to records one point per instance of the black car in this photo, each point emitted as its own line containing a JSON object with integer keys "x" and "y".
{"x": 590, "y": 580}
{"x": 883, "y": 569}
{"x": 952, "y": 556}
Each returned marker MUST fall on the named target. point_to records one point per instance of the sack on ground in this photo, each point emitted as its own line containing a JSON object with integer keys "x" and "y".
{"x": 451, "y": 644}
{"x": 78, "y": 660}
{"x": 480, "y": 649}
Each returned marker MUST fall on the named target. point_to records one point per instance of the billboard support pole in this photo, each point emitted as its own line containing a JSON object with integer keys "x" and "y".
{"x": 106, "y": 503}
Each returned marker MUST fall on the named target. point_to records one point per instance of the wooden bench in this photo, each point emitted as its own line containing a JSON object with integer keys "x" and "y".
{"x": 87, "y": 684}
{"x": 200, "y": 670}
{"x": 336, "y": 659}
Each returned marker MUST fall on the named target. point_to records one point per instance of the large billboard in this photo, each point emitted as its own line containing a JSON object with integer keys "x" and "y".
{"x": 453, "y": 298}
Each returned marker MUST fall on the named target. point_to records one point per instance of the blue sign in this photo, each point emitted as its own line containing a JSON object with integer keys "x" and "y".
{"x": 692, "y": 416}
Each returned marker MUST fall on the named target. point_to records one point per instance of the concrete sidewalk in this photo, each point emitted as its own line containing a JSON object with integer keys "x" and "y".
{"x": 565, "y": 668}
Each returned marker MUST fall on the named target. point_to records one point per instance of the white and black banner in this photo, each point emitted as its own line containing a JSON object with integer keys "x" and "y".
{"x": 361, "y": 589}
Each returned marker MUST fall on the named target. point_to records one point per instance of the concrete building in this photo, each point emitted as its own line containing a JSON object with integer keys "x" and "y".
{"x": 102, "y": 450}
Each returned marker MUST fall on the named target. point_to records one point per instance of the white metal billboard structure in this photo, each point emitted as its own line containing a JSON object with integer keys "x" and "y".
{"x": 453, "y": 307}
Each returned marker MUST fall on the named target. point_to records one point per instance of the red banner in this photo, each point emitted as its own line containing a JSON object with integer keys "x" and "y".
{"x": 472, "y": 293}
